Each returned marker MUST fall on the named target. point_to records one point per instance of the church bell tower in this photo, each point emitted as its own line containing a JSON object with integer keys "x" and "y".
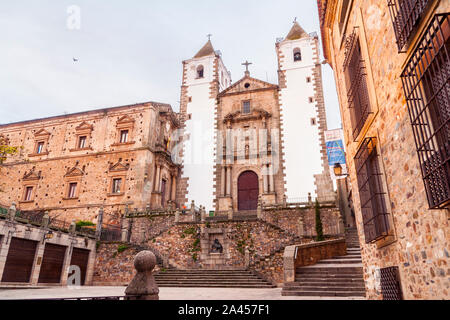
{"x": 303, "y": 119}
{"x": 204, "y": 76}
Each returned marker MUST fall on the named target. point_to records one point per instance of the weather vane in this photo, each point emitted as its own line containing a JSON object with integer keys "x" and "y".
{"x": 295, "y": 20}
{"x": 209, "y": 36}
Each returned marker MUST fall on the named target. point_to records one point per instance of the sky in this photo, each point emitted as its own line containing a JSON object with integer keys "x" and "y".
{"x": 131, "y": 51}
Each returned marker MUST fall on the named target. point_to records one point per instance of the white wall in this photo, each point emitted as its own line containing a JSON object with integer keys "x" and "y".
{"x": 301, "y": 141}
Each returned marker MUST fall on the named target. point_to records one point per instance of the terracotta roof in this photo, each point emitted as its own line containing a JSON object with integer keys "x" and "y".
{"x": 207, "y": 50}
{"x": 296, "y": 32}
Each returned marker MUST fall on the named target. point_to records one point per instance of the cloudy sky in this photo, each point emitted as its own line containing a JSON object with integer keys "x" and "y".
{"x": 131, "y": 51}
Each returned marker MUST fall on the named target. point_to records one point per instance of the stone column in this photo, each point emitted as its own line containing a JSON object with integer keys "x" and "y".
{"x": 265, "y": 180}
{"x": 223, "y": 184}
{"x": 143, "y": 285}
{"x": 202, "y": 214}
{"x": 37, "y": 263}
{"x": 177, "y": 216}
{"x": 157, "y": 179}
{"x": 4, "y": 247}
{"x": 271, "y": 182}
{"x": 174, "y": 188}
{"x": 228, "y": 181}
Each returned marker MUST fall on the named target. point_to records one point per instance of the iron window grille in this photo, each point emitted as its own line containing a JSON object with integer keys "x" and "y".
{"x": 356, "y": 83}
{"x": 426, "y": 86}
{"x": 405, "y": 15}
{"x": 390, "y": 284}
{"x": 372, "y": 196}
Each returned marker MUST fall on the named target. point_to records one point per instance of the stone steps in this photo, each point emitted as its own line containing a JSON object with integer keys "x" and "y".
{"x": 211, "y": 278}
{"x": 340, "y": 276}
{"x": 306, "y": 293}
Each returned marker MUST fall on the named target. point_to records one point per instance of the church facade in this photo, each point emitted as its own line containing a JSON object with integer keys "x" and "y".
{"x": 254, "y": 140}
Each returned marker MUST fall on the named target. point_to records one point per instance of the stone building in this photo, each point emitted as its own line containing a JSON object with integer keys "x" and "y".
{"x": 71, "y": 165}
{"x": 391, "y": 66}
{"x": 259, "y": 130}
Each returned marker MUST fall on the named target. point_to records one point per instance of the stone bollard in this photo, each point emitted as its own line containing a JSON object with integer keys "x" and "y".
{"x": 45, "y": 220}
{"x": 341, "y": 225}
{"x": 73, "y": 227}
{"x": 12, "y": 212}
{"x": 143, "y": 285}
{"x": 203, "y": 214}
{"x": 300, "y": 227}
{"x": 98, "y": 229}
{"x": 259, "y": 209}
{"x": 309, "y": 198}
{"x": 125, "y": 228}
{"x": 177, "y": 216}
{"x": 230, "y": 213}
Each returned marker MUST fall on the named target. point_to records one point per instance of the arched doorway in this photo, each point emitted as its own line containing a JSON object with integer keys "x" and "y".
{"x": 248, "y": 191}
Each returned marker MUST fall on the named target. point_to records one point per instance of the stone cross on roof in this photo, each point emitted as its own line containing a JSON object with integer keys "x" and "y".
{"x": 209, "y": 35}
{"x": 246, "y": 64}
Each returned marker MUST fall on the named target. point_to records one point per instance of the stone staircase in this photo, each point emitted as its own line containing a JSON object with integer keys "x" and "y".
{"x": 340, "y": 276}
{"x": 210, "y": 278}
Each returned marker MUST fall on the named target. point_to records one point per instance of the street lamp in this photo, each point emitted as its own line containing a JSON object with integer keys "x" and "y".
{"x": 337, "y": 169}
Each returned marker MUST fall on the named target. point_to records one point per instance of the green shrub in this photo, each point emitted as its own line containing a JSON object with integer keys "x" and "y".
{"x": 122, "y": 247}
{"x": 83, "y": 223}
{"x": 194, "y": 257}
{"x": 190, "y": 230}
{"x": 319, "y": 228}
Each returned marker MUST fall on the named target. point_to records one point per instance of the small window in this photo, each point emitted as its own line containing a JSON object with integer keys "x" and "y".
{"x": 82, "y": 142}
{"x": 311, "y": 99}
{"x": 40, "y": 147}
{"x": 246, "y": 107}
{"x": 28, "y": 193}
{"x": 124, "y": 136}
{"x": 72, "y": 190}
{"x": 200, "y": 71}
{"x": 313, "y": 121}
{"x": 297, "y": 54}
{"x": 308, "y": 79}
{"x": 116, "y": 185}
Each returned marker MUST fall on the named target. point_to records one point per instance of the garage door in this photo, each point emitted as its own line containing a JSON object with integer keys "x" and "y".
{"x": 19, "y": 261}
{"x": 52, "y": 263}
{"x": 80, "y": 258}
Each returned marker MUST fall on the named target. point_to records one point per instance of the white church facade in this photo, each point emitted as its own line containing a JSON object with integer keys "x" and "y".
{"x": 253, "y": 140}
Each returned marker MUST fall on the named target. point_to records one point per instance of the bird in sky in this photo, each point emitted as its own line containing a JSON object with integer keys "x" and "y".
{"x": 75, "y": 60}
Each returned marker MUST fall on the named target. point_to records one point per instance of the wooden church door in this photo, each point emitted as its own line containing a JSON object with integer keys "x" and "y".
{"x": 248, "y": 191}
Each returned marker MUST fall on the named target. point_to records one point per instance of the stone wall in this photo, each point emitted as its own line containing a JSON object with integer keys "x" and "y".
{"x": 148, "y": 227}
{"x": 419, "y": 237}
{"x": 287, "y": 219}
{"x": 181, "y": 245}
{"x": 114, "y": 264}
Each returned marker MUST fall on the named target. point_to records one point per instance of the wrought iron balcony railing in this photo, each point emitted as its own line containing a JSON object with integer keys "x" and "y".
{"x": 406, "y": 15}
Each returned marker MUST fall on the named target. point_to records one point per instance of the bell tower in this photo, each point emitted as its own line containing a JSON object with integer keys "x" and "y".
{"x": 204, "y": 76}
{"x": 303, "y": 118}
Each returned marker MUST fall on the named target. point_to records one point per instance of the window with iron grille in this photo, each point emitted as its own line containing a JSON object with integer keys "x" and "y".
{"x": 356, "y": 83}
{"x": 390, "y": 284}
{"x": 372, "y": 196}
{"x": 405, "y": 15}
{"x": 427, "y": 90}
